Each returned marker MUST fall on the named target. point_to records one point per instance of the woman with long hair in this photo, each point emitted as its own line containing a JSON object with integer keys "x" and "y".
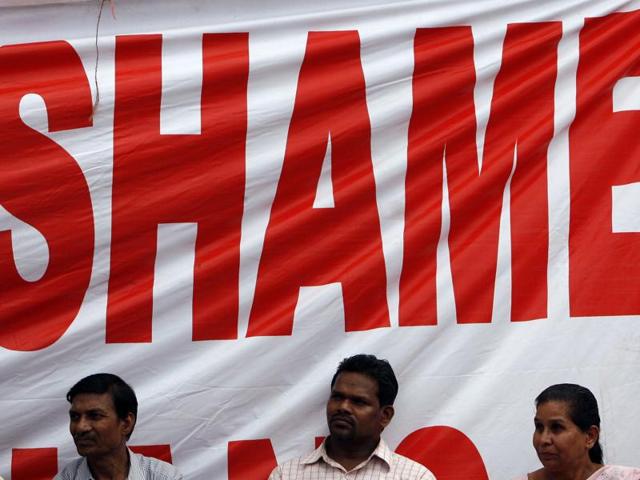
{"x": 567, "y": 438}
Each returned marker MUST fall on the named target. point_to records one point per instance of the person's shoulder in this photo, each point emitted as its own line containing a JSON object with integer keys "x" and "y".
{"x": 155, "y": 469}
{"x": 410, "y": 469}
{"x": 70, "y": 470}
{"x": 618, "y": 472}
{"x": 285, "y": 470}
{"x": 292, "y": 464}
{"x": 293, "y": 468}
{"x": 296, "y": 460}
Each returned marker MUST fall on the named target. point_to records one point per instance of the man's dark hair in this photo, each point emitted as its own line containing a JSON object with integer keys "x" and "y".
{"x": 375, "y": 368}
{"x": 583, "y": 409}
{"x": 123, "y": 396}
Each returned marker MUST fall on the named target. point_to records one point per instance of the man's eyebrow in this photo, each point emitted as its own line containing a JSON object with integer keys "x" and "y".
{"x": 364, "y": 398}
{"x": 353, "y": 396}
{"x": 93, "y": 410}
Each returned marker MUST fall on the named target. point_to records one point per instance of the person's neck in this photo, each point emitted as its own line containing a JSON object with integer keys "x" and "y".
{"x": 110, "y": 467}
{"x": 348, "y": 453}
{"x": 581, "y": 472}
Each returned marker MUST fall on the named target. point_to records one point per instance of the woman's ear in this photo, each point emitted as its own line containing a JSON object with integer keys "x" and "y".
{"x": 593, "y": 433}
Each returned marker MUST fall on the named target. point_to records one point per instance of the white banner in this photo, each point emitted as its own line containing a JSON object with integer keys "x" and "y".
{"x": 219, "y": 201}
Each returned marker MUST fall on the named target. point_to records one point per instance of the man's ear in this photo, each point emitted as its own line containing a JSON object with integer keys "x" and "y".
{"x": 386, "y": 414}
{"x": 127, "y": 424}
{"x": 593, "y": 433}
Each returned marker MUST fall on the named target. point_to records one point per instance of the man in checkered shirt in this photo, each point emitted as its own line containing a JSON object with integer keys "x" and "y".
{"x": 103, "y": 412}
{"x": 360, "y": 406}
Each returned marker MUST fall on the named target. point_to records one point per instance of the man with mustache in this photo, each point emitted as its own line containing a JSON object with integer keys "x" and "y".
{"x": 102, "y": 416}
{"x": 360, "y": 406}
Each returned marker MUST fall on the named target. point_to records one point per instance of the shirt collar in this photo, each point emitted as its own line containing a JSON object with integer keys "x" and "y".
{"x": 83, "y": 472}
{"x": 382, "y": 451}
{"x": 135, "y": 470}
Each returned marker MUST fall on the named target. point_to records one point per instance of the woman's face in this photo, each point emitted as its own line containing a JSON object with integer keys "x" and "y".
{"x": 560, "y": 444}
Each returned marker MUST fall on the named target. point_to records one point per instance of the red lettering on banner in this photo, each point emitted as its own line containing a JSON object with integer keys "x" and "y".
{"x": 34, "y": 463}
{"x": 161, "y": 452}
{"x": 443, "y": 114}
{"x": 447, "y": 452}
{"x": 604, "y": 265}
{"x": 250, "y": 459}
{"x": 443, "y": 128}
{"x": 521, "y": 118}
{"x": 307, "y": 246}
{"x": 177, "y": 178}
{"x": 42, "y": 185}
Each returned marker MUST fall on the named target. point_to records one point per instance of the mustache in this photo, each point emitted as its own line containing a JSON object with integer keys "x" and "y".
{"x": 342, "y": 417}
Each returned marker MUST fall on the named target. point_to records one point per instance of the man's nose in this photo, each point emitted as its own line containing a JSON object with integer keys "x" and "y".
{"x": 344, "y": 405}
{"x": 82, "y": 425}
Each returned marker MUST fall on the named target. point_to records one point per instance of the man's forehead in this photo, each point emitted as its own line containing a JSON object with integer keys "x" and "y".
{"x": 92, "y": 401}
{"x": 356, "y": 381}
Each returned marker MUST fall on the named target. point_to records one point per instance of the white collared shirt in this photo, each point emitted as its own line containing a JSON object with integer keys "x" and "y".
{"x": 140, "y": 468}
{"x": 382, "y": 464}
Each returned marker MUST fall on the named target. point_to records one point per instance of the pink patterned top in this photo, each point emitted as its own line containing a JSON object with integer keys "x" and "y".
{"x": 609, "y": 472}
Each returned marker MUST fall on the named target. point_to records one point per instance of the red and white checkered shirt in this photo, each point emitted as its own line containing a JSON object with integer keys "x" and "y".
{"x": 382, "y": 464}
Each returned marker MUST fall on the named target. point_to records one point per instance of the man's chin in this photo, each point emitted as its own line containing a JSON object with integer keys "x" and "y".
{"x": 84, "y": 449}
{"x": 341, "y": 432}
